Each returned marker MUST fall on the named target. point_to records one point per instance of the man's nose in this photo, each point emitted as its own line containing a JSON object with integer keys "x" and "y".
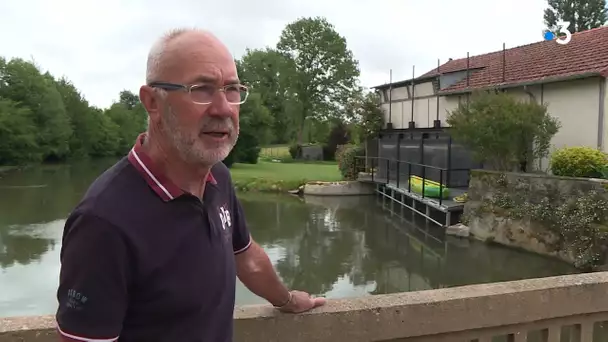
{"x": 220, "y": 106}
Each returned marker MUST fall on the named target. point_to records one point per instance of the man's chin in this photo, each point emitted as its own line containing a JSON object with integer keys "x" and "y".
{"x": 210, "y": 158}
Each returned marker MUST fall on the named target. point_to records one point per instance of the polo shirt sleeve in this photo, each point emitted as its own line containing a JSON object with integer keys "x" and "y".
{"x": 93, "y": 281}
{"x": 241, "y": 238}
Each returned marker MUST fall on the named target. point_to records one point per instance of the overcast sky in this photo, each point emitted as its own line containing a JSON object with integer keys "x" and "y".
{"x": 102, "y": 45}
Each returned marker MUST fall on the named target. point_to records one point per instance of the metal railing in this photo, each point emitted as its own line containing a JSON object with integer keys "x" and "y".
{"x": 444, "y": 173}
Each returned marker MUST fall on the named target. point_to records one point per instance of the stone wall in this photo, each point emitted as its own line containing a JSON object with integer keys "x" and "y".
{"x": 557, "y": 216}
{"x": 452, "y": 314}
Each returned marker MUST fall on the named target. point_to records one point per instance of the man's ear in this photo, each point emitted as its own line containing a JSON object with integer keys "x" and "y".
{"x": 149, "y": 99}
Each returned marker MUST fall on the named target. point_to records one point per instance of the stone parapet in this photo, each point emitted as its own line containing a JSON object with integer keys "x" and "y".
{"x": 459, "y": 313}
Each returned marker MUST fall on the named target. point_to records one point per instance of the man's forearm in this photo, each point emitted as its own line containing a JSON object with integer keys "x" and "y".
{"x": 255, "y": 270}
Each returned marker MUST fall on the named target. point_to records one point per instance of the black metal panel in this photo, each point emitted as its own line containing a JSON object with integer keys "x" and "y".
{"x": 372, "y": 147}
{"x": 461, "y": 158}
{"x": 387, "y": 150}
{"x": 436, "y": 149}
{"x": 432, "y": 147}
{"x": 410, "y": 152}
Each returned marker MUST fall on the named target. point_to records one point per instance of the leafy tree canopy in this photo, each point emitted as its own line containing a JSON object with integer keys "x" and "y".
{"x": 326, "y": 73}
{"x": 581, "y": 14}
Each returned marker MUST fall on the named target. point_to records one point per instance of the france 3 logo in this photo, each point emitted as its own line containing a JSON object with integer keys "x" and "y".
{"x": 562, "y": 36}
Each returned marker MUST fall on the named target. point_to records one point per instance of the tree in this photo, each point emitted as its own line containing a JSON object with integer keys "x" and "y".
{"x": 338, "y": 135}
{"x": 326, "y": 73}
{"x": 85, "y": 132}
{"x": 127, "y": 125}
{"x": 268, "y": 73}
{"x": 367, "y": 114}
{"x": 17, "y": 134}
{"x": 22, "y": 83}
{"x": 130, "y": 117}
{"x": 128, "y": 99}
{"x": 43, "y": 118}
{"x": 368, "y": 118}
{"x": 255, "y": 129}
{"x": 581, "y": 14}
{"x": 502, "y": 132}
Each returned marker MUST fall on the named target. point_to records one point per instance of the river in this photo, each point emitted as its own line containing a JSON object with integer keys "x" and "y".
{"x": 336, "y": 247}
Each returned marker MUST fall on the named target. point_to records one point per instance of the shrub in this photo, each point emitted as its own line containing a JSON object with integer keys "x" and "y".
{"x": 249, "y": 155}
{"x": 337, "y": 136}
{"x": 578, "y": 162}
{"x": 245, "y": 151}
{"x": 501, "y": 131}
{"x": 229, "y": 160}
{"x": 295, "y": 151}
{"x": 346, "y": 157}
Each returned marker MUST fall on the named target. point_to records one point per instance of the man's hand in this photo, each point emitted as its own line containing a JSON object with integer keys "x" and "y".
{"x": 301, "y": 301}
{"x": 257, "y": 274}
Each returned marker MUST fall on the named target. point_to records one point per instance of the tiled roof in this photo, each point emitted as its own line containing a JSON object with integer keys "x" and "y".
{"x": 585, "y": 54}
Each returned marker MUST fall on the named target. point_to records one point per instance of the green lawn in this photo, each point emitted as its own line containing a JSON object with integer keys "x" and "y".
{"x": 287, "y": 171}
{"x": 266, "y": 176}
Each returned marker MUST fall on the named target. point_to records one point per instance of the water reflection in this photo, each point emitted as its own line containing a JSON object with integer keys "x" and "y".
{"x": 29, "y": 279}
{"x": 337, "y": 247}
{"x": 343, "y": 247}
{"x": 33, "y": 207}
{"x": 25, "y": 244}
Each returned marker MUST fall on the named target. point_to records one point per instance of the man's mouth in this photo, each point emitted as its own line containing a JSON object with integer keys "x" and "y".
{"x": 217, "y": 134}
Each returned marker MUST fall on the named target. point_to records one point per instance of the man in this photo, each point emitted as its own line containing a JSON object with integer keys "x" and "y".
{"x": 152, "y": 251}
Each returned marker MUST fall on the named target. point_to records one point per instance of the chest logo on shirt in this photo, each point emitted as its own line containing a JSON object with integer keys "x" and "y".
{"x": 225, "y": 217}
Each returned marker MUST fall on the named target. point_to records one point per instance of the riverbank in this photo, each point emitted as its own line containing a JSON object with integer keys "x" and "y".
{"x": 265, "y": 176}
{"x": 4, "y": 169}
{"x": 561, "y": 217}
{"x": 281, "y": 177}
{"x": 7, "y": 168}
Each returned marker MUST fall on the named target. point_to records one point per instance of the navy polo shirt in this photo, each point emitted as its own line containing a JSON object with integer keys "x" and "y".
{"x": 143, "y": 261}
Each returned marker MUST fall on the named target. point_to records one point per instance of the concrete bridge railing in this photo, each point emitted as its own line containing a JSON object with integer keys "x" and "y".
{"x": 518, "y": 309}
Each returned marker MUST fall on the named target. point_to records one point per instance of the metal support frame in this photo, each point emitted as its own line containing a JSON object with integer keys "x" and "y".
{"x": 380, "y": 190}
{"x": 390, "y": 98}
{"x": 386, "y": 187}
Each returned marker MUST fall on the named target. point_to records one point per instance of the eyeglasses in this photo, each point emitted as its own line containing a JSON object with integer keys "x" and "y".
{"x": 204, "y": 93}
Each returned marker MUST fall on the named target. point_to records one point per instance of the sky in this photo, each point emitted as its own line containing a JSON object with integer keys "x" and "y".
{"x": 101, "y": 46}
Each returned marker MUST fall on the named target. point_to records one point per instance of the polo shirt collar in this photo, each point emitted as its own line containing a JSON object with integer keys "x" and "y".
{"x": 158, "y": 181}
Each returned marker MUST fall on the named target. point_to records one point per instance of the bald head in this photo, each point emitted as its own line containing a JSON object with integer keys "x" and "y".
{"x": 179, "y": 48}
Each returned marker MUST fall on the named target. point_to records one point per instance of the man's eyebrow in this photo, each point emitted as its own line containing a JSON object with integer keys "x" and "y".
{"x": 204, "y": 79}
{"x": 210, "y": 79}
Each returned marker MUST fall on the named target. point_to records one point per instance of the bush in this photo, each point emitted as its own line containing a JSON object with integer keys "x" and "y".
{"x": 295, "y": 151}
{"x": 245, "y": 151}
{"x": 578, "y": 162}
{"x": 501, "y": 131}
{"x": 249, "y": 155}
{"x": 346, "y": 157}
{"x": 229, "y": 160}
{"x": 337, "y": 136}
